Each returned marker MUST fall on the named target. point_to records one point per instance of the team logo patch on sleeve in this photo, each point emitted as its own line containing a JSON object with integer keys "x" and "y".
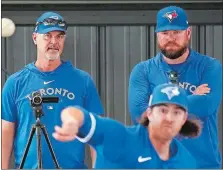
{"x": 171, "y": 92}
{"x": 171, "y": 15}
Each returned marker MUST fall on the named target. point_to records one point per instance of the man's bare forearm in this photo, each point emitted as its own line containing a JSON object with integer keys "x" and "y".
{"x": 93, "y": 156}
{"x": 7, "y": 142}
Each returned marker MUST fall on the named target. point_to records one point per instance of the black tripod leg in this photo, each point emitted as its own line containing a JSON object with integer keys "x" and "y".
{"x": 39, "y": 148}
{"x": 27, "y": 146}
{"x": 50, "y": 147}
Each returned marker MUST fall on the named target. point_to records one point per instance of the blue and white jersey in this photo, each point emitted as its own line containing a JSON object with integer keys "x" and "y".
{"x": 72, "y": 86}
{"x": 118, "y": 146}
{"x": 196, "y": 70}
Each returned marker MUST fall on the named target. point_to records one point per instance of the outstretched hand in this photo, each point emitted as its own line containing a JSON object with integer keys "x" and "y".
{"x": 69, "y": 127}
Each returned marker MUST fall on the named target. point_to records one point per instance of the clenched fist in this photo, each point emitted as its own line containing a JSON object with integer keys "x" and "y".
{"x": 72, "y": 119}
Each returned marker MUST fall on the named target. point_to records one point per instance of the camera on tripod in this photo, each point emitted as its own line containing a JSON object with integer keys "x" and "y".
{"x": 37, "y": 100}
{"x": 36, "y": 103}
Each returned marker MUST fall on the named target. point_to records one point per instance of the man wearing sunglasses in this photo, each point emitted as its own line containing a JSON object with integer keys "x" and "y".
{"x": 195, "y": 72}
{"x": 50, "y": 76}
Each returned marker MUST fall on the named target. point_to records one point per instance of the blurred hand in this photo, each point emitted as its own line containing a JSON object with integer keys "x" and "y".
{"x": 202, "y": 90}
{"x": 70, "y": 125}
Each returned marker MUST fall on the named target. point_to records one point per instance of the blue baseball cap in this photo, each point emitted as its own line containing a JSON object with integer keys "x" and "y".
{"x": 171, "y": 18}
{"x": 169, "y": 94}
{"x": 57, "y": 23}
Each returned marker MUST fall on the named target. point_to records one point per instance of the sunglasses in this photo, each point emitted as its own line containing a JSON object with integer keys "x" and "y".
{"x": 174, "y": 77}
{"x": 53, "y": 22}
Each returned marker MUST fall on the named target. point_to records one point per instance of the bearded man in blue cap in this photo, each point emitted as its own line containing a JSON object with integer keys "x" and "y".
{"x": 198, "y": 74}
{"x": 50, "y": 76}
{"x": 150, "y": 144}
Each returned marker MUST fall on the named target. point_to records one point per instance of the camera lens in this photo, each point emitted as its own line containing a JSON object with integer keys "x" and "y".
{"x": 37, "y": 100}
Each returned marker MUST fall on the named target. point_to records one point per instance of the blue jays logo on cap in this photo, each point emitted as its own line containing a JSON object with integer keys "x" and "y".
{"x": 171, "y": 18}
{"x": 169, "y": 94}
{"x": 170, "y": 15}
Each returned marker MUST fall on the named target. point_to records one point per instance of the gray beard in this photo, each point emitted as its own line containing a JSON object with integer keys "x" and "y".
{"x": 52, "y": 57}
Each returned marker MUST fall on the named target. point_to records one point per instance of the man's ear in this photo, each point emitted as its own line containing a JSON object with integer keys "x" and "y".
{"x": 149, "y": 113}
{"x": 34, "y": 37}
{"x": 189, "y": 32}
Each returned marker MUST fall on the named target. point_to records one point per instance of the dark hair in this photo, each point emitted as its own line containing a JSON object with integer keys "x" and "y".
{"x": 191, "y": 128}
{"x": 144, "y": 120}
